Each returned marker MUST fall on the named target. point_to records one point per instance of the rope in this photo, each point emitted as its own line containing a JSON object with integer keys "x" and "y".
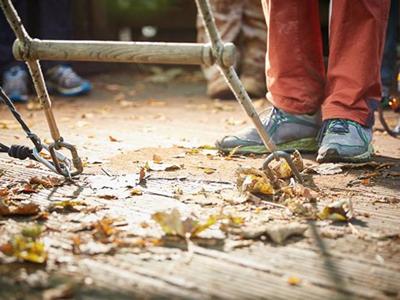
{"x": 19, "y": 151}
{"x": 33, "y": 137}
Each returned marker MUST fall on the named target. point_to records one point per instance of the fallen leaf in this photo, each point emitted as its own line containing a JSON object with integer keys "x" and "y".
{"x": 67, "y": 206}
{"x": 33, "y": 231}
{"x": 46, "y": 181}
{"x": 152, "y": 166}
{"x": 173, "y": 224}
{"x": 337, "y": 211}
{"x": 232, "y": 152}
{"x": 284, "y": 171}
{"x": 142, "y": 174}
{"x": 104, "y": 229}
{"x": 18, "y": 208}
{"x": 113, "y": 139}
{"x": 136, "y": 192}
{"x": 327, "y": 169}
{"x": 253, "y": 181}
{"x": 26, "y": 246}
{"x": 157, "y": 159}
{"x": 294, "y": 280}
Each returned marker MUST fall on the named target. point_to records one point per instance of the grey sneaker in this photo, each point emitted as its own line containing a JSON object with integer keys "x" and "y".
{"x": 15, "y": 84}
{"x": 289, "y": 132}
{"x": 63, "y": 80}
{"x": 345, "y": 141}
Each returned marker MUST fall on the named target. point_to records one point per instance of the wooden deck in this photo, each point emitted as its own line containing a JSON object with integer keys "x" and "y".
{"x": 363, "y": 264}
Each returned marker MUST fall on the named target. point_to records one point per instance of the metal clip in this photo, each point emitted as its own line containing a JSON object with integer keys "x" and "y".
{"x": 61, "y": 163}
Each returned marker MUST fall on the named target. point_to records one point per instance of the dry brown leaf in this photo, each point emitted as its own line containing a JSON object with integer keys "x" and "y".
{"x": 152, "y": 166}
{"x": 112, "y": 139}
{"x": 253, "y": 181}
{"x": 283, "y": 170}
{"x": 172, "y": 223}
{"x": 46, "y": 181}
{"x": 18, "y": 208}
{"x": 142, "y": 174}
{"x": 104, "y": 229}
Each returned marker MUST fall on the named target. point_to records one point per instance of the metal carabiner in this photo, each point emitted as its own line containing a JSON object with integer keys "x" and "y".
{"x": 46, "y": 162}
{"x": 63, "y": 164}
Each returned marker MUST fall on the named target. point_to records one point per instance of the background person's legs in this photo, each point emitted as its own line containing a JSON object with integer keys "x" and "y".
{"x": 389, "y": 62}
{"x": 228, "y": 16}
{"x": 253, "y": 48}
{"x": 55, "y": 23}
{"x": 294, "y": 65}
{"x": 7, "y": 37}
{"x": 357, "y": 31}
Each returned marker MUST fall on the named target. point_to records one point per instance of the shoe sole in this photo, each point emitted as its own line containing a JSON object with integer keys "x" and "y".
{"x": 332, "y": 156}
{"x": 80, "y": 90}
{"x": 307, "y": 145}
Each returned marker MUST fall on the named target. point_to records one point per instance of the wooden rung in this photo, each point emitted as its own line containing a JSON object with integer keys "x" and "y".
{"x": 128, "y": 52}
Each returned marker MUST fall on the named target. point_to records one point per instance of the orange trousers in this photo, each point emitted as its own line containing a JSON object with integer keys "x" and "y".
{"x": 296, "y": 77}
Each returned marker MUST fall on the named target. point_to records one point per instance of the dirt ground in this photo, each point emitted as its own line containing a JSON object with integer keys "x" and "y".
{"x": 108, "y": 244}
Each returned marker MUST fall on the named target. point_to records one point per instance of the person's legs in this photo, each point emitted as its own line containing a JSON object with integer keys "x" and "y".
{"x": 295, "y": 79}
{"x": 357, "y": 31}
{"x": 228, "y": 18}
{"x": 389, "y": 67}
{"x": 253, "y": 48}
{"x": 294, "y": 65}
{"x": 56, "y": 24}
{"x": 14, "y": 74}
{"x": 7, "y": 37}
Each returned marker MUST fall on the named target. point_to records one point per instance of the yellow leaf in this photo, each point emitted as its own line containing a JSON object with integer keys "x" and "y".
{"x": 337, "y": 211}
{"x": 157, "y": 159}
{"x": 209, "y": 171}
{"x": 136, "y": 192}
{"x": 294, "y": 280}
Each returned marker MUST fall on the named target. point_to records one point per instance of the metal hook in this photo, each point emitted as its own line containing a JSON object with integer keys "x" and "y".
{"x": 63, "y": 164}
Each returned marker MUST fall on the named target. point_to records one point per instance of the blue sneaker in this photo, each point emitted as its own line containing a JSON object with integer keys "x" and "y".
{"x": 345, "y": 141}
{"x": 289, "y": 132}
{"x": 15, "y": 84}
{"x": 63, "y": 80}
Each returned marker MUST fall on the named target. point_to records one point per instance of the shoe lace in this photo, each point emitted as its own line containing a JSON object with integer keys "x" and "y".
{"x": 337, "y": 126}
{"x": 67, "y": 76}
{"x": 272, "y": 114}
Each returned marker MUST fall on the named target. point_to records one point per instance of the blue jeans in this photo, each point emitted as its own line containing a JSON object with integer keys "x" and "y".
{"x": 54, "y": 22}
